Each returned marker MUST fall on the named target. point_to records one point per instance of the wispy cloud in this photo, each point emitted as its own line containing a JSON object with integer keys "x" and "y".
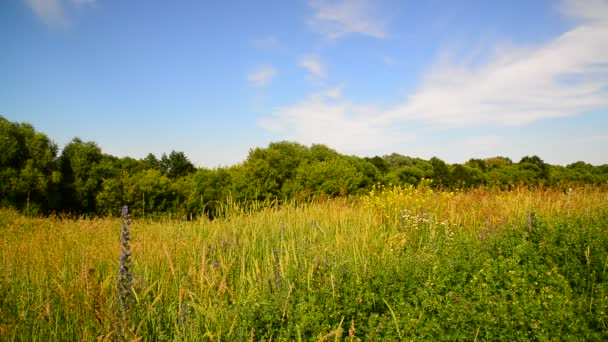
{"x": 334, "y": 19}
{"x": 514, "y": 86}
{"x": 54, "y": 12}
{"x": 586, "y": 10}
{"x": 50, "y": 11}
{"x": 326, "y": 118}
{"x": 313, "y": 64}
{"x": 262, "y": 76}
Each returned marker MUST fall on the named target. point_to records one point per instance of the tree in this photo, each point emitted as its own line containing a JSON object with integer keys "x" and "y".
{"x": 477, "y": 164}
{"x": 583, "y": 173}
{"x": 322, "y": 152}
{"x": 497, "y": 162}
{"x": 396, "y": 160}
{"x": 148, "y": 191}
{"x": 28, "y": 170}
{"x": 210, "y": 189}
{"x": 270, "y": 172}
{"x": 465, "y": 176}
{"x": 533, "y": 170}
{"x": 111, "y": 197}
{"x": 151, "y": 162}
{"x": 410, "y": 175}
{"x": 175, "y": 165}
{"x": 369, "y": 172}
{"x": 331, "y": 177}
{"x": 80, "y": 181}
{"x": 381, "y": 164}
{"x": 441, "y": 173}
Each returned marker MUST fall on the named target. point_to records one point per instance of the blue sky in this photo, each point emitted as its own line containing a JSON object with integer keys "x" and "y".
{"x": 453, "y": 79}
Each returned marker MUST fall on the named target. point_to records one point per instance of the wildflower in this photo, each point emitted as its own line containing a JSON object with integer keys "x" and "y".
{"x": 125, "y": 277}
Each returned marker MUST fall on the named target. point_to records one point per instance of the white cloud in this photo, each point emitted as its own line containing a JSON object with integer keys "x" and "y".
{"x": 313, "y": 64}
{"x": 586, "y": 10}
{"x": 482, "y": 144}
{"x": 325, "y": 118}
{"x": 334, "y": 19}
{"x": 262, "y": 76}
{"x": 332, "y": 93}
{"x": 50, "y": 11}
{"x": 515, "y": 86}
{"x": 54, "y": 12}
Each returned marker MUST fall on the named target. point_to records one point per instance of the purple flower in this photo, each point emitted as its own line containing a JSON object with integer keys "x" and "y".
{"x": 125, "y": 278}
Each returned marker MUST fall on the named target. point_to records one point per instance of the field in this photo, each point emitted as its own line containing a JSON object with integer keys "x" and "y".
{"x": 398, "y": 264}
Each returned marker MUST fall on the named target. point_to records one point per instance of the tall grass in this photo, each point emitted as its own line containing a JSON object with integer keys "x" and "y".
{"x": 343, "y": 269}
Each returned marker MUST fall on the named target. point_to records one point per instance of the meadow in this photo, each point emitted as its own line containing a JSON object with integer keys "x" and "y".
{"x": 401, "y": 263}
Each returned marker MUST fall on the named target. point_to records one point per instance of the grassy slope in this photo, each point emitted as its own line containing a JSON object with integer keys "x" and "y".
{"x": 398, "y": 264}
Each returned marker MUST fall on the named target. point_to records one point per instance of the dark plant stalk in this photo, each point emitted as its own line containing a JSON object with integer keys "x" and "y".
{"x": 125, "y": 278}
{"x": 277, "y": 268}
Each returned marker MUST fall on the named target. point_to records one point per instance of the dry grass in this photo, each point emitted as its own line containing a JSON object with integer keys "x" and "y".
{"x": 61, "y": 273}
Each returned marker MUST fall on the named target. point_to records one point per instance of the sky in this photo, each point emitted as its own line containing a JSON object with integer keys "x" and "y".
{"x": 214, "y": 79}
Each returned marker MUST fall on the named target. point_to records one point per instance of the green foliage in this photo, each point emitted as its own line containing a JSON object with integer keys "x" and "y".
{"x": 410, "y": 175}
{"x": 322, "y": 271}
{"x": 465, "y": 176}
{"x": 151, "y": 162}
{"x": 331, "y": 177}
{"x": 28, "y": 168}
{"x": 210, "y": 189}
{"x": 173, "y": 166}
{"x": 381, "y": 164}
{"x": 441, "y": 174}
{"x": 516, "y": 285}
{"x": 79, "y": 182}
{"x": 396, "y": 160}
{"x": 83, "y": 180}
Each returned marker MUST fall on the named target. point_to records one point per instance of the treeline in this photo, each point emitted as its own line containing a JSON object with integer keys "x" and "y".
{"x": 36, "y": 178}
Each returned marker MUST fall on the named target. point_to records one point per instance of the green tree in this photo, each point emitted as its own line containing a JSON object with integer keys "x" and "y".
{"x": 28, "y": 169}
{"x": 479, "y": 164}
{"x": 81, "y": 179}
{"x": 151, "y": 162}
{"x": 532, "y": 170}
{"x": 441, "y": 173}
{"x": 381, "y": 164}
{"x": 369, "y": 172}
{"x": 175, "y": 165}
{"x": 410, "y": 175}
{"x": 270, "y": 171}
{"x": 111, "y": 197}
{"x": 210, "y": 189}
{"x": 582, "y": 172}
{"x": 334, "y": 177}
{"x": 465, "y": 177}
{"x": 396, "y": 160}
{"x": 497, "y": 162}
{"x": 320, "y": 152}
{"x": 148, "y": 192}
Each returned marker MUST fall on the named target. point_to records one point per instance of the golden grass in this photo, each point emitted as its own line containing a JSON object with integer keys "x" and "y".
{"x": 55, "y": 268}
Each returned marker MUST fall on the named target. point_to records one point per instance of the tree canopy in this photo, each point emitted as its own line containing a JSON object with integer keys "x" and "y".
{"x": 34, "y": 177}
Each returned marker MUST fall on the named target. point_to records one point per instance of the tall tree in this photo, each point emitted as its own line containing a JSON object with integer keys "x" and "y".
{"x": 441, "y": 173}
{"x": 80, "y": 181}
{"x": 151, "y": 162}
{"x": 175, "y": 165}
{"x": 28, "y": 170}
